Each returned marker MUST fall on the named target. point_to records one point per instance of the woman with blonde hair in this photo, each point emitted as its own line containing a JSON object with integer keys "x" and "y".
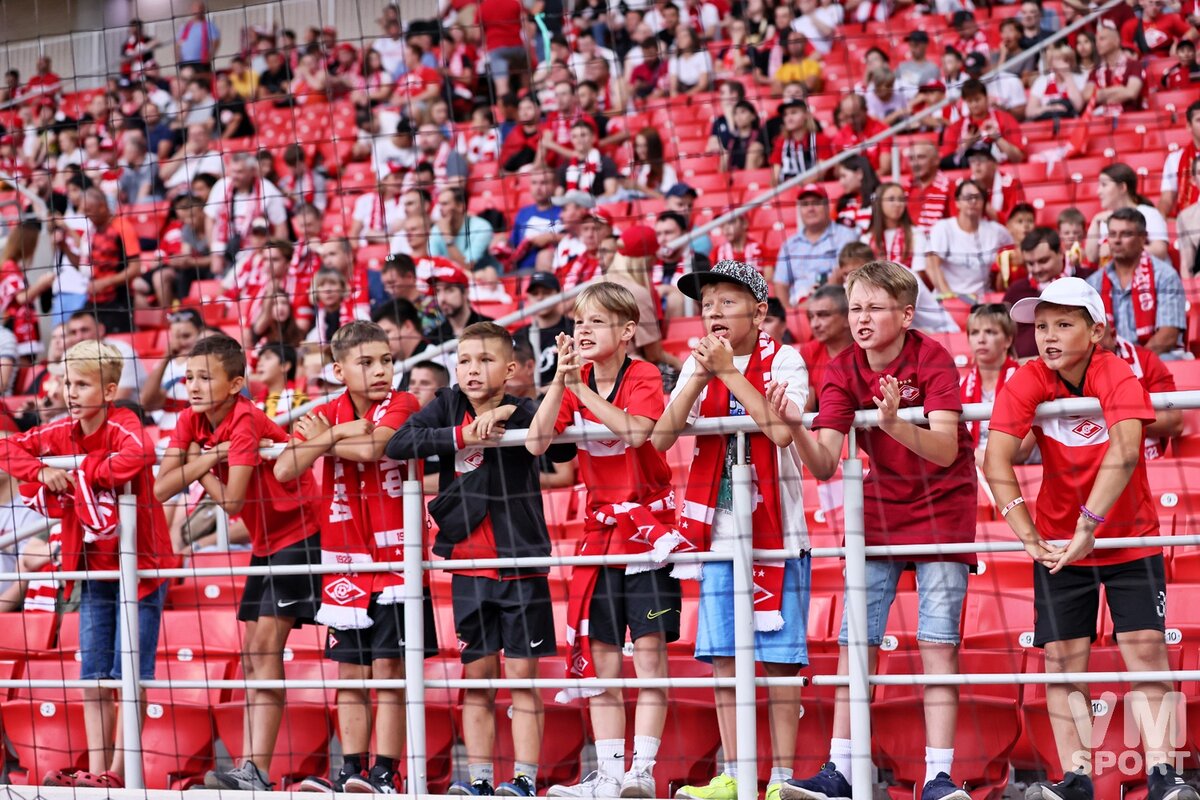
{"x": 631, "y": 268}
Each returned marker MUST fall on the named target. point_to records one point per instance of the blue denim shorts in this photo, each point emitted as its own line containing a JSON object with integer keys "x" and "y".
{"x": 715, "y": 628}
{"x": 941, "y": 587}
{"x": 100, "y": 630}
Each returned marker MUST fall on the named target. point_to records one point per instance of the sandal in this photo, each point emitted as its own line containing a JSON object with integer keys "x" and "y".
{"x": 105, "y": 780}
{"x": 61, "y": 777}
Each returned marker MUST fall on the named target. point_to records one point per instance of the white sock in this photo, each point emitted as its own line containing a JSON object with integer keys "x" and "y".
{"x": 731, "y": 769}
{"x": 839, "y": 754}
{"x": 645, "y": 751}
{"x": 610, "y": 758}
{"x": 780, "y": 775}
{"x": 481, "y": 771}
{"x": 528, "y": 770}
{"x": 938, "y": 759}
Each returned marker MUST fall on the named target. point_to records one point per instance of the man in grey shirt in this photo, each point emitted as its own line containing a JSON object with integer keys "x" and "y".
{"x": 917, "y": 70}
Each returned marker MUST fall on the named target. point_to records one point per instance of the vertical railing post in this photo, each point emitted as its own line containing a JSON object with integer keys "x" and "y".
{"x": 857, "y": 649}
{"x": 743, "y": 624}
{"x": 414, "y": 630}
{"x": 131, "y": 707}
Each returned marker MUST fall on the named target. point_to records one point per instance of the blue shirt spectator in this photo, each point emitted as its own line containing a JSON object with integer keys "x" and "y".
{"x": 535, "y": 223}
{"x": 807, "y": 258}
{"x": 198, "y": 39}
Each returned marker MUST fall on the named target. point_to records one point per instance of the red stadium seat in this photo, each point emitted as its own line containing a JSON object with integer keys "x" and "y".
{"x": 302, "y": 748}
{"x": 989, "y": 724}
{"x": 998, "y": 619}
{"x": 178, "y": 737}
{"x": 200, "y": 631}
{"x": 45, "y": 726}
{"x": 225, "y": 591}
{"x": 34, "y": 634}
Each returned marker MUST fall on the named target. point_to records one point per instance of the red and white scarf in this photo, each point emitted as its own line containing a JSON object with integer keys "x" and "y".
{"x": 1154, "y": 448}
{"x": 896, "y": 248}
{"x": 972, "y": 390}
{"x": 581, "y": 174}
{"x": 704, "y": 481}
{"x": 623, "y": 528}
{"x": 1145, "y": 303}
{"x": 1188, "y": 191}
{"x": 229, "y": 217}
{"x": 363, "y": 529}
{"x": 96, "y": 511}
{"x": 382, "y": 209}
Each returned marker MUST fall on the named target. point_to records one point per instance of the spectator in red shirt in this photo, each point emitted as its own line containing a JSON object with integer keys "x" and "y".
{"x": 1118, "y": 83}
{"x": 1003, "y": 190}
{"x": 45, "y": 83}
{"x": 970, "y": 38}
{"x": 116, "y": 260}
{"x": 1154, "y": 376}
{"x": 828, "y": 319}
{"x": 1097, "y": 466}
{"x": 1156, "y": 33}
{"x": 418, "y": 86}
{"x": 801, "y": 144}
{"x": 648, "y": 80}
{"x": 928, "y": 188}
{"x": 982, "y": 125}
{"x": 855, "y": 127}
{"x": 523, "y": 143}
{"x": 502, "y": 21}
{"x": 1187, "y": 71}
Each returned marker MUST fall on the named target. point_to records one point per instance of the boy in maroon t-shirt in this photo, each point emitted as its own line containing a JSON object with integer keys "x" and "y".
{"x": 216, "y": 442}
{"x": 1097, "y": 467}
{"x": 920, "y": 490}
{"x": 597, "y": 382}
{"x": 362, "y": 522}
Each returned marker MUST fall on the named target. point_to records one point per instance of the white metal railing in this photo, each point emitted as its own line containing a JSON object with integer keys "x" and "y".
{"x": 744, "y": 683}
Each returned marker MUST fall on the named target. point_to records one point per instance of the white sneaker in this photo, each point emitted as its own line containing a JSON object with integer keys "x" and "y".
{"x": 594, "y": 785}
{"x": 638, "y": 783}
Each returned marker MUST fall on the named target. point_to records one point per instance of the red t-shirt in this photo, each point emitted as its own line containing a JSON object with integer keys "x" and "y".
{"x": 1160, "y": 34}
{"x": 844, "y": 138}
{"x": 117, "y": 453}
{"x": 1010, "y": 130}
{"x": 817, "y": 359}
{"x": 112, "y": 248}
{"x": 276, "y": 514}
{"x": 501, "y": 21}
{"x": 906, "y": 499}
{"x": 414, "y": 83}
{"x": 1127, "y": 69}
{"x": 22, "y": 318}
{"x": 1073, "y": 447}
{"x": 613, "y": 471}
{"x": 1154, "y": 377}
{"x": 930, "y": 204}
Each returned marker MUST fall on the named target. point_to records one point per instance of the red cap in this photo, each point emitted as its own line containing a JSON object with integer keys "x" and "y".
{"x": 6, "y": 139}
{"x": 448, "y": 272}
{"x": 638, "y": 241}
{"x": 603, "y": 215}
{"x": 934, "y": 86}
{"x": 329, "y": 29}
{"x": 814, "y": 188}
{"x": 1108, "y": 22}
{"x": 107, "y": 144}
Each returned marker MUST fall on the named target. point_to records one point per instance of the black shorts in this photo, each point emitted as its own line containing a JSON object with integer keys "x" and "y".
{"x": 293, "y": 596}
{"x": 646, "y": 603}
{"x": 491, "y": 615}
{"x": 385, "y": 637}
{"x": 1066, "y": 604}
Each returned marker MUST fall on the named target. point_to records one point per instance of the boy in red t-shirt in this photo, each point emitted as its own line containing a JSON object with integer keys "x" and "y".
{"x": 362, "y": 521}
{"x": 113, "y": 451}
{"x": 216, "y": 442}
{"x": 629, "y": 486}
{"x": 1098, "y": 469}
{"x": 920, "y": 490}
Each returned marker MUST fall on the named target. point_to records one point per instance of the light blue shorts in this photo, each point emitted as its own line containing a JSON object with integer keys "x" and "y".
{"x": 715, "y": 628}
{"x": 941, "y": 587}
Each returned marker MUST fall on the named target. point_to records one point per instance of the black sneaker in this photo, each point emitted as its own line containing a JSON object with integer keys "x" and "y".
{"x": 325, "y": 786}
{"x": 520, "y": 786}
{"x": 1073, "y": 786}
{"x": 479, "y": 788}
{"x": 244, "y": 778}
{"x": 1165, "y": 784}
{"x": 379, "y": 781}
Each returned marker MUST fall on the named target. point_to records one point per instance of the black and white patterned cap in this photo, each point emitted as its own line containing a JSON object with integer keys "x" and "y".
{"x": 728, "y": 271}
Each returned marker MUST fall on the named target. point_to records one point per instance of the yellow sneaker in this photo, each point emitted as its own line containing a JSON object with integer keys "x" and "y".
{"x": 721, "y": 787}
{"x": 773, "y": 791}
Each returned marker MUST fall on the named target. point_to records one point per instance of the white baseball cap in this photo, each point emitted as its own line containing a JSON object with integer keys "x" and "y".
{"x": 1064, "y": 292}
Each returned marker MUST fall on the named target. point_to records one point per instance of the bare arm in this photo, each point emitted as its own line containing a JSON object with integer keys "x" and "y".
{"x": 1164, "y": 340}
{"x": 1003, "y": 451}
{"x": 819, "y": 451}
{"x": 669, "y": 427}
{"x": 933, "y": 268}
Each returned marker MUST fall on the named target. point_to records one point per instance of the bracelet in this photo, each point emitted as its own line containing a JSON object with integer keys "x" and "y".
{"x": 1096, "y": 518}
{"x": 1019, "y": 501}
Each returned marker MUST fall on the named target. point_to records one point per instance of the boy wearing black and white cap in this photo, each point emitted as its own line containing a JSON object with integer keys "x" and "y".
{"x": 727, "y": 375}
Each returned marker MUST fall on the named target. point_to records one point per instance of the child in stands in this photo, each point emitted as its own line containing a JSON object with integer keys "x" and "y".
{"x": 726, "y": 376}
{"x": 920, "y": 490}
{"x": 216, "y": 442}
{"x": 362, "y": 521}
{"x": 1101, "y": 491}
{"x": 629, "y": 486}
{"x": 990, "y": 331}
{"x": 113, "y": 451}
{"x": 276, "y": 371}
{"x": 489, "y": 506}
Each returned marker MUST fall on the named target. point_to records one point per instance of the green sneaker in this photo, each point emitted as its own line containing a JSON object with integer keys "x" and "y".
{"x": 721, "y": 787}
{"x": 773, "y": 791}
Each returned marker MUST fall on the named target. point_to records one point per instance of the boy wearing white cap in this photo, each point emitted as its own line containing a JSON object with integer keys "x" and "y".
{"x": 1100, "y": 491}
